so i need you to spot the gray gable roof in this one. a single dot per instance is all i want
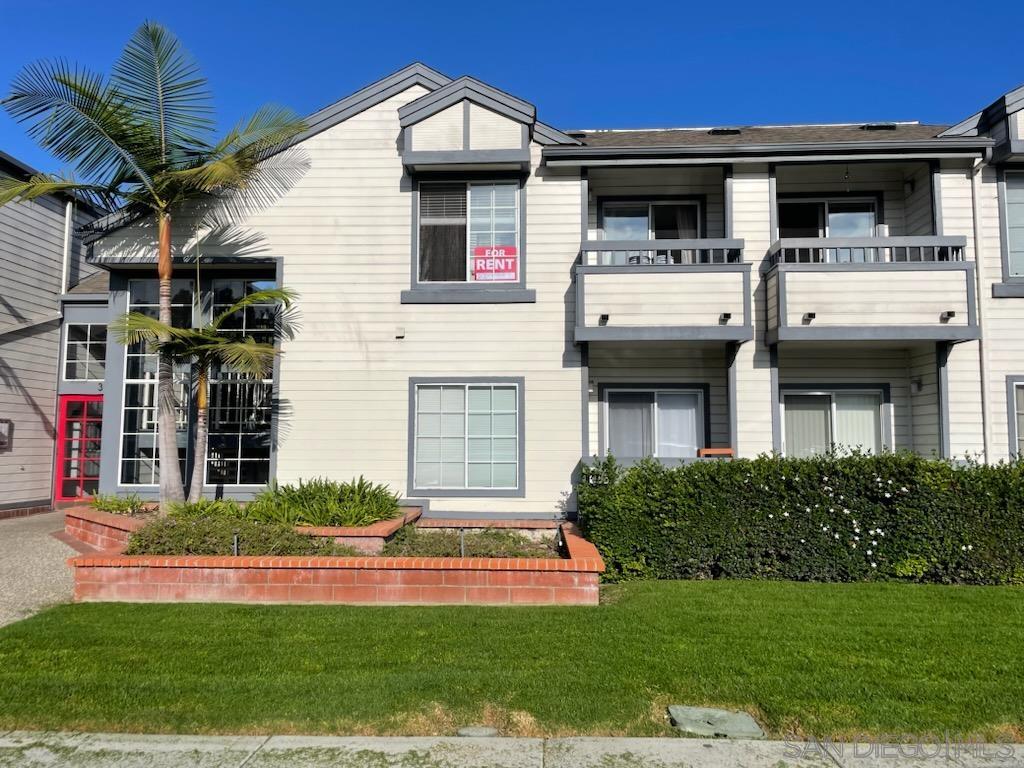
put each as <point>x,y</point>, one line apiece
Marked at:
<point>471,89</point>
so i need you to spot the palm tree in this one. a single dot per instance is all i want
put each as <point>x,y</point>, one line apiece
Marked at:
<point>210,345</point>
<point>142,141</point>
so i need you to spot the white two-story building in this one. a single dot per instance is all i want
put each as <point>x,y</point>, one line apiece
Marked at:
<point>488,301</point>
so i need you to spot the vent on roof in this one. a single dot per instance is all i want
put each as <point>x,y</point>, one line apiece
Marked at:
<point>878,127</point>
<point>727,131</point>
<point>577,134</point>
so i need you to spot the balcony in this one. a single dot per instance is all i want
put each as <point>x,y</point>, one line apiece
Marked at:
<point>663,290</point>
<point>870,288</point>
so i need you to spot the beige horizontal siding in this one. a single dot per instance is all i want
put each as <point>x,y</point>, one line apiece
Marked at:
<point>441,131</point>
<point>876,298</point>
<point>634,299</point>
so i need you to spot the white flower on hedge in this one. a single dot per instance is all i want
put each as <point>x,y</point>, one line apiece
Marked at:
<point>889,481</point>
<point>904,489</point>
<point>970,548</point>
<point>963,548</point>
<point>802,541</point>
<point>853,544</point>
<point>808,509</point>
<point>874,543</point>
<point>846,511</point>
<point>888,495</point>
<point>785,514</point>
<point>874,565</point>
<point>836,535</point>
<point>869,551</point>
<point>770,516</point>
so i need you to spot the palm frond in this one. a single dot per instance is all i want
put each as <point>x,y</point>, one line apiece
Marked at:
<point>162,86</point>
<point>42,184</point>
<point>137,328</point>
<point>247,356</point>
<point>75,115</point>
<point>284,297</point>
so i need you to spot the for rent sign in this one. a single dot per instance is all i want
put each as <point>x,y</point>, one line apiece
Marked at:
<point>496,263</point>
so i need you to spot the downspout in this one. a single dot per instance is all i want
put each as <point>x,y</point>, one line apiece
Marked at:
<point>69,230</point>
<point>979,270</point>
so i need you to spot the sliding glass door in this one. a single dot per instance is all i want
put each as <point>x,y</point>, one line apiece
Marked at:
<point>817,422</point>
<point>660,423</point>
<point>649,220</point>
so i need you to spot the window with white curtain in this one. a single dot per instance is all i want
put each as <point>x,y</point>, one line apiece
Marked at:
<point>664,423</point>
<point>467,436</point>
<point>821,421</point>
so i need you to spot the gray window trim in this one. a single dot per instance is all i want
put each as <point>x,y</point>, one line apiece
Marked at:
<point>1012,382</point>
<point>81,314</point>
<point>1012,286</point>
<point>467,293</point>
<point>888,443</point>
<point>504,493</point>
<point>602,410</point>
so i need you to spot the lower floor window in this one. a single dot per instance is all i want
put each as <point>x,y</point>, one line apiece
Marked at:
<point>467,436</point>
<point>239,443</point>
<point>664,423</point>
<point>820,422</point>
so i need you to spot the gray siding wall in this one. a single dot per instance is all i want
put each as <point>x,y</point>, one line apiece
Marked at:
<point>31,261</point>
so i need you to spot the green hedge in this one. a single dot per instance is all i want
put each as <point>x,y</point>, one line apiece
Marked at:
<point>853,518</point>
<point>215,535</point>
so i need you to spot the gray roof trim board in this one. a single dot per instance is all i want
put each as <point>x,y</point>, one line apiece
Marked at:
<point>467,88</point>
<point>1008,103</point>
<point>12,166</point>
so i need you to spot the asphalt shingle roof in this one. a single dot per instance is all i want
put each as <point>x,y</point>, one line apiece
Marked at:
<point>789,134</point>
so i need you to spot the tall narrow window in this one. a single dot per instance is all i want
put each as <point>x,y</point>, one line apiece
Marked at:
<point>139,464</point>
<point>240,406</point>
<point>1015,223</point>
<point>819,422</point>
<point>467,436</point>
<point>660,423</point>
<point>85,351</point>
<point>1018,416</point>
<point>469,232</point>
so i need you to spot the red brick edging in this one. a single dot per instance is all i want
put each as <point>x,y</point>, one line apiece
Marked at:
<point>110,576</point>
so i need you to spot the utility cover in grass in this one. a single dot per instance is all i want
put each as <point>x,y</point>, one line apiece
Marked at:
<point>717,723</point>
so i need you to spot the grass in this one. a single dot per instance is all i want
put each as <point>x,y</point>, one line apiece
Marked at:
<point>806,659</point>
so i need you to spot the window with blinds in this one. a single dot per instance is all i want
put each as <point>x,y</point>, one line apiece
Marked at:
<point>822,422</point>
<point>463,219</point>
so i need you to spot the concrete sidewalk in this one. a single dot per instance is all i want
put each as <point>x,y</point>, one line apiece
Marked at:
<point>33,571</point>
<point>76,750</point>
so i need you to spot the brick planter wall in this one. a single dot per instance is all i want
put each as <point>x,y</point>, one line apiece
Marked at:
<point>100,530</point>
<point>105,531</point>
<point>353,580</point>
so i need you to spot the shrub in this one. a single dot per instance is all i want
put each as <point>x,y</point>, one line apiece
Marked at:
<point>323,502</point>
<point>827,518</point>
<point>119,505</point>
<point>207,508</point>
<point>489,542</point>
<point>186,535</point>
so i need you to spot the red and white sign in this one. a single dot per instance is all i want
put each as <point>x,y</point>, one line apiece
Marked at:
<point>495,263</point>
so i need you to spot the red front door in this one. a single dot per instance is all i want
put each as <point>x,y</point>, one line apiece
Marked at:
<point>79,428</point>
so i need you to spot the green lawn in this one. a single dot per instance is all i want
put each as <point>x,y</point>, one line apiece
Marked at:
<point>807,659</point>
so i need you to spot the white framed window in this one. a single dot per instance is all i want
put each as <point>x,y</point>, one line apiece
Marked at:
<point>138,460</point>
<point>1016,414</point>
<point>85,351</point>
<point>819,421</point>
<point>659,422</point>
<point>1015,223</point>
<point>467,436</point>
<point>239,443</point>
<point>469,232</point>
<point>649,220</point>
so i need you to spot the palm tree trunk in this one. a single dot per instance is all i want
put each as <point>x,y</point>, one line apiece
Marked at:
<point>195,488</point>
<point>170,470</point>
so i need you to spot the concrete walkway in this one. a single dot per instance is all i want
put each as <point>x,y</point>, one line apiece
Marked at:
<point>32,750</point>
<point>33,572</point>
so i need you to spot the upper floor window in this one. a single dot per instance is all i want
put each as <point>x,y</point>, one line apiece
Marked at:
<point>1015,223</point>
<point>648,220</point>
<point>469,233</point>
<point>847,217</point>
<point>85,352</point>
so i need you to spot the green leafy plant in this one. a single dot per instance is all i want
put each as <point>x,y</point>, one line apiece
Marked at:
<point>828,518</point>
<point>119,505</point>
<point>321,502</point>
<point>207,508</point>
<point>190,535</point>
<point>410,541</point>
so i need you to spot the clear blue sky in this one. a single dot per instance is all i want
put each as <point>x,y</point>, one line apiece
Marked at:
<point>584,64</point>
